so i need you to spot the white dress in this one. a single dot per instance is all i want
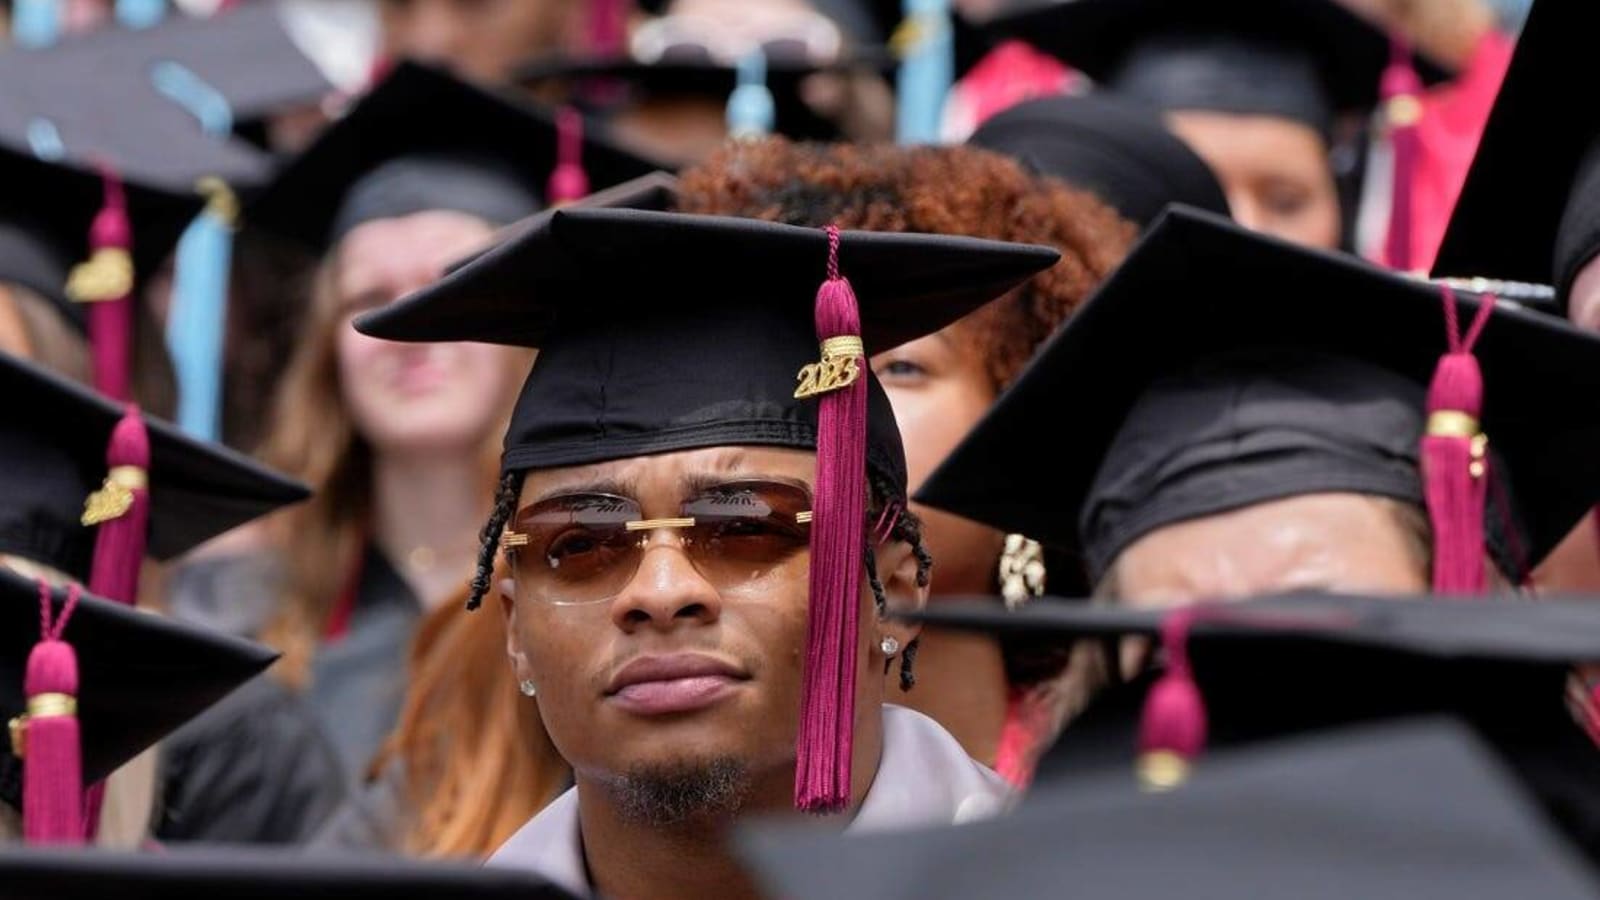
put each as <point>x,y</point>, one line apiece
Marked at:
<point>924,779</point>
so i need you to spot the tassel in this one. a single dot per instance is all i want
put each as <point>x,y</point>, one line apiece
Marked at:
<point>197,323</point>
<point>1401,89</point>
<point>36,24</point>
<point>105,282</point>
<point>47,737</point>
<point>1455,463</point>
<point>140,14</point>
<point>925,43</point>
<point>1172,731</point>
<point>121,510</point>
<point>568,180</point>
<point>826,739</point>
<point>752,113</point>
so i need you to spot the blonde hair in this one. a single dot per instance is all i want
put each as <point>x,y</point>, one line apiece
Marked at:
<point>312,437</point>
<point>476,758</point>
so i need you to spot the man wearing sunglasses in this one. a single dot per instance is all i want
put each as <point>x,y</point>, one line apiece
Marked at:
<point>704,519</point>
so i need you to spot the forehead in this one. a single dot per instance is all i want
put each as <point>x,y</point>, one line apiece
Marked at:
<point>670,471</point>
<point>435,236</point>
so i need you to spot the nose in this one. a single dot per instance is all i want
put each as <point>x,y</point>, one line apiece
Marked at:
<point>666,591</point>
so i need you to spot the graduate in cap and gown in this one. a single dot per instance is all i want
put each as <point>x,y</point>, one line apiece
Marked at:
<point>396,441</point>
<point>1256,88</point>
<point>703,512</point>
<point>1252,445</point>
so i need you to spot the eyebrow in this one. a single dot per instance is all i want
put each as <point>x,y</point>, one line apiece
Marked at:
<point>693,484</point>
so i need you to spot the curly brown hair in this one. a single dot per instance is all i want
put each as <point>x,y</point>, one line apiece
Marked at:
<point>943,190</point>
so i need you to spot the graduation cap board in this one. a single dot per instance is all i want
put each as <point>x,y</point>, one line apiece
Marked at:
<point>46,214</point>
<point>1527,211</point>
<point>1278,666</point>
<point>166,104</point>
<point>1413,809</point>
<point>54,448</point>
<point>257,874</point>
<point>1117,150</point>
<point>662,332</point>
<point>1305,60</point>
<point>140,676</point>
<point>425,140</point>
<point>1232,368</point>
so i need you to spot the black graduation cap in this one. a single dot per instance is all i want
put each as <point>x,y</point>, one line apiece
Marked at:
<point>1305,60</point>
<point>693,78</point>
<point>424,139</point>
<point>53,443</point>
<point>1528,209</point>
<point>140,676</point>
<point>661,332</point>
<point>1117,150</point>
<point>45,217</point>
<point>247,873</point>
<point>132,96</point>
<point>1277,666</point>
<point>1414,809</point>
<point>662,293</point>
<point>1232,368</point>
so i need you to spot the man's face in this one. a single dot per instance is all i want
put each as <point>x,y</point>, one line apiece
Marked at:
<point>673,659</point>
<point>1346,543</point>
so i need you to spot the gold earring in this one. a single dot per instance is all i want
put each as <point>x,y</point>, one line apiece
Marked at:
<point>1022,571</point>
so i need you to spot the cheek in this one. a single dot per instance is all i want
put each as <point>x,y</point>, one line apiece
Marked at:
<point>933,419</point>
<point>357,357</point>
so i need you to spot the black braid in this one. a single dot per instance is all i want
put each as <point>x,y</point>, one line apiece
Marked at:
<point>505,505</point>
<point>907,528</point>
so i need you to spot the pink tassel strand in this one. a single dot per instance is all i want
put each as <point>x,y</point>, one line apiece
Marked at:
<point>568,180</point>
<point>826,737</point>
<point>1455,461</point>
<point>1172,730</point>
<point>1401,89</point>
<point>52,760</point>
<point>106,284</point>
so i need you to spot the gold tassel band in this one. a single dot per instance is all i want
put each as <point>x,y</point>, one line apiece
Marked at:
<point>115,496</point>
<point>107,275</point>
<point>49,705</point>
<point>1452,423</point>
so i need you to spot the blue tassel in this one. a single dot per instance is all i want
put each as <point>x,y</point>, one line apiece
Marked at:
<point>925,43</point>
<point>752,112</point>
<point>198,321</point>
<point>35,24</point>
<point>139,14</point>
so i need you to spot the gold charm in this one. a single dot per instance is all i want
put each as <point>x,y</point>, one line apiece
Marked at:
<point>839,367</point>
<point>1021,571</point>
<point>222,203</point>
<point>108,275</point>
<point>115,496</point>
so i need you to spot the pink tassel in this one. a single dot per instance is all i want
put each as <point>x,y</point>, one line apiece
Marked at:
<point>52,761</point>
<point>1172,730</point>
<point>1455,463</point>
<point>121,509</point>
<point>1401,89</point>
<point>105,282</point>
<point>826,737</point>
<point>568,180</point>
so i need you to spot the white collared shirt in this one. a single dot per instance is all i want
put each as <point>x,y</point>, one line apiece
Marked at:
<point>924,779</point>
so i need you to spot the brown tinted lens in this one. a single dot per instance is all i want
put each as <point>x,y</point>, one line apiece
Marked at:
<point>745,528</point>
<point>579,548</point>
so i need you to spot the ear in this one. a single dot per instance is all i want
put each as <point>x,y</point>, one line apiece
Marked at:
<point>897,570</point>
<point>514,651</point>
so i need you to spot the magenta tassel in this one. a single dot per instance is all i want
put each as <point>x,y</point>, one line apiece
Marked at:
<point>1455,463</point>
<point>826,739</point>
<point>568,180</point>
<point>1401,89</point>
<point>1172,730</point>
<point>106,283</point>
<point>52,759</point>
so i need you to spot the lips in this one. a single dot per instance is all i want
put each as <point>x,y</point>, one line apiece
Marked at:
<point>659,685</point>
